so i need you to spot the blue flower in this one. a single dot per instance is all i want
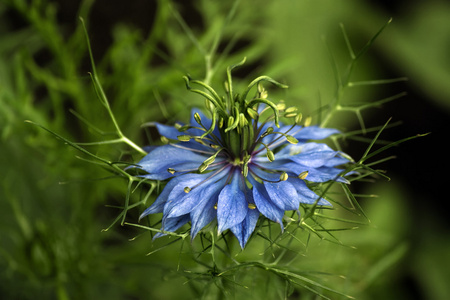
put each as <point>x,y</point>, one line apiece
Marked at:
<point>231,174</point>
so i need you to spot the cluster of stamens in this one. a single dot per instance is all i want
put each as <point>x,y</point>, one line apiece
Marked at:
<point>235,134</point>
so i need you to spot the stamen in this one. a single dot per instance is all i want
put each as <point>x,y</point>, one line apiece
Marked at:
<point>187,189</point>
<point>308,121</point>
<point>260,179</point>
<point>197,118</point>
<point>251,206</point>
<point>303,175</point>
<point>184,138</point>
<point>281,105</point>
<point>207,162</point>
<point>206,179</point>
<point>191,149</point>
<point>252,113</point>
<point>290,112</point>
<point>164,140</point>
<point>298,118</point>
<point>270,154</point>
<point>245,162</point>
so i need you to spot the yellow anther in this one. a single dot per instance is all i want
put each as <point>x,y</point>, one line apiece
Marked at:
<point>303,175</point>
<point>281,106</point>
<point>251,206</point>
<point>200,141</point>
<point>308,121</point>
<point>290,115</point>
<point>263,94</point>
<point>202,167</point>
<point>171,171</point>
<point>291,139</point>
<point>284,176</point>
<point>187,189</point>
<point>197,118</point>
<point>245,170</point>
<point>184,138</point>
<point>226,86</point>
<point>164,140</point>
<point>291,109</point>
<point>270,155</point>
<point>215,206</point>
<point>298,118</point>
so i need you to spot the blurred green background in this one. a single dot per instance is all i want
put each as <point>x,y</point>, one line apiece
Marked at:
<point>54,204</point>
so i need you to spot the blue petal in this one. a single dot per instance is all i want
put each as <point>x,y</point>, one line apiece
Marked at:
<point>244,230</point>
<point>179,202</point>
<point>255,170</point>
<point>172,224</point>
<point>305,194</point>
<point>232,206</point>
<point>321,174</point>
<point>169,132</point>
<point>336,161</point>
<point>204,212</point>
<point>284,192</point>
<point>264,204</point>
<point>312,132</point>
<point>158,205</point>
<point>202,215</point>
<point>157,162</point>
<point>309,154</point>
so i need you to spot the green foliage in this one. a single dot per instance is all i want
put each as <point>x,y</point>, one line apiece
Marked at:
<point>69,208</point>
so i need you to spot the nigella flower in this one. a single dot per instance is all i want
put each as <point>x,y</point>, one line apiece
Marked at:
<point>237,165</point>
